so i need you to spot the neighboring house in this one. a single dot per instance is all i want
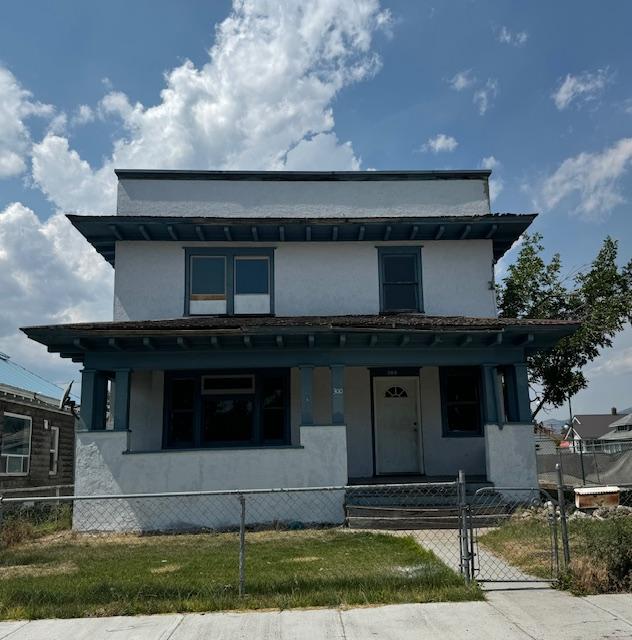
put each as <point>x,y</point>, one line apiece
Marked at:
<point>37,439</point>
<point>295,329</point>
<point>619,436</point>
<point>588,431</point>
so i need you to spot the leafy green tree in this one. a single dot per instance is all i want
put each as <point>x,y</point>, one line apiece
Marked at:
<point>600,298</point>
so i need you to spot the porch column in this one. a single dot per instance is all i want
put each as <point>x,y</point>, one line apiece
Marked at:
<point>93,400</point>
<point>337,393</point>
<point>306,372</point>
<point>122,379</point>
<point>491,394</point>
<point>521,391</point>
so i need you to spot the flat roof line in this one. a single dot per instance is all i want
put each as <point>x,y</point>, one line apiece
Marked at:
<point>302,176</point>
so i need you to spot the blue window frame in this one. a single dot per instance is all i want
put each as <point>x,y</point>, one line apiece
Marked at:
<point>400,279</point>
<point>235,281</point>
<point>461,401</point>
<point>211,409</point>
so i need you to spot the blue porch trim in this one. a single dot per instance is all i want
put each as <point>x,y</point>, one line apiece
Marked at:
<point>367,357</point>
<point>93,400</point>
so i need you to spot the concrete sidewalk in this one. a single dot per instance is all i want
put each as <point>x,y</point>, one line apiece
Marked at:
<point>509,614</point>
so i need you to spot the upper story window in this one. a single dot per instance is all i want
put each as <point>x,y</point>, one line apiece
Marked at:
<point>229,281</point>
<point>400,279</point>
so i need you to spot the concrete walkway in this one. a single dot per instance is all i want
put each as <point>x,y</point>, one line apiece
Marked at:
<point>509,614</point>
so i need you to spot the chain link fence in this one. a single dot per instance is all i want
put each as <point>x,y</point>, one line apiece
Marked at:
<point>314,546</point>
<point>211,550</point>
<point>585,464</point>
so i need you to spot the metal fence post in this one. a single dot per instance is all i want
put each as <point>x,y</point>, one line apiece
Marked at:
<point>554,541</point>
<point>562,505</point>
<point>242,546</point>
<point>463,530</point>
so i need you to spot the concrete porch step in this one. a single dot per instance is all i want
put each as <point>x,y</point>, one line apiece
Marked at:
<point>396,516</point>
<point>421,496</point>
<point>362,511</point>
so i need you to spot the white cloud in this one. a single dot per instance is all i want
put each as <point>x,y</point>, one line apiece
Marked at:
<point>68,181</point>
<point>16,105</point>
<point>484,96</point>
<point>323,150</point>
<point>515,38</point>
<point>593,178</point>
<point>262,101</point>
<point>585,87</point>
<point>616,364</point>
<point>83,115</point>
<point>48,274</point>
<point>496,184</point>
<point>462,80</point>
<point>441,142</point>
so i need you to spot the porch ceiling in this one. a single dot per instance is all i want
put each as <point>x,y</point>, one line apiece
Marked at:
<point>334,334</point>
<point>104,231</point>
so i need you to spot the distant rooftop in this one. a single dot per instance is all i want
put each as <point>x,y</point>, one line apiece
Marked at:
<point>18,378</point>
<point>306,176</point>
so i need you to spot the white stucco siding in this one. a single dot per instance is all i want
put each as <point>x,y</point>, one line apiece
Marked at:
<point>326,279</point>
<point>445,455</point>
<point>456,278</point>
<point>311,279</point>
<point>357,413</point>
<point>325,199</point>
<point>511,457</point>
<point>146,410</point>
<point>359,422</point>
<point>149,281</point>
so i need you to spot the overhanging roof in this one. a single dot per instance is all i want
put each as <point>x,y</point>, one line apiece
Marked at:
<point>302,176</point>
<point>398,331</point>
<point>104,231</point>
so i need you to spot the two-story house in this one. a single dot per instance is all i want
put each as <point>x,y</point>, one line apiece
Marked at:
<point>296,329</point>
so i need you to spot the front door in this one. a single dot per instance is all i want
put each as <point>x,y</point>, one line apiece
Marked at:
<point>397,429</point>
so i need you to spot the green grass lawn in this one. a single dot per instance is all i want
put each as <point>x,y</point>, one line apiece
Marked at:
<point>70,576</point>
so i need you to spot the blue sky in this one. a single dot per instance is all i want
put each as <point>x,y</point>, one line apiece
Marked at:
<point>540,92</point>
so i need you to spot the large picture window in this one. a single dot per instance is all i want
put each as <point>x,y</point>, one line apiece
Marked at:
<point>400,279</point>
<point>212,409</point>
<point>229,281</point>
<point>461,401</point>
<point>15,444</point>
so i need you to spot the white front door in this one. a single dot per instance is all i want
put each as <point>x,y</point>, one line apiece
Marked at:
<point>397,428</point>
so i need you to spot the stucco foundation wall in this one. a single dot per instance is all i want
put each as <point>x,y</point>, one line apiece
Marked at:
<point>302,199</point>
<point>510,453</point>
<point>311,279</point>
<point>445,455</point>
<point>103,468</point>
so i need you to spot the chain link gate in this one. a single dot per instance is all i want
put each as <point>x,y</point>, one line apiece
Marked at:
<point>510,534</point>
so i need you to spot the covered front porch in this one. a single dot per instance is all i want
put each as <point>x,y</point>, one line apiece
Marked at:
<point>253,403</point>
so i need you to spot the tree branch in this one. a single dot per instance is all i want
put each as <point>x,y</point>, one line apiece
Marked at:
<point>539,407</point>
